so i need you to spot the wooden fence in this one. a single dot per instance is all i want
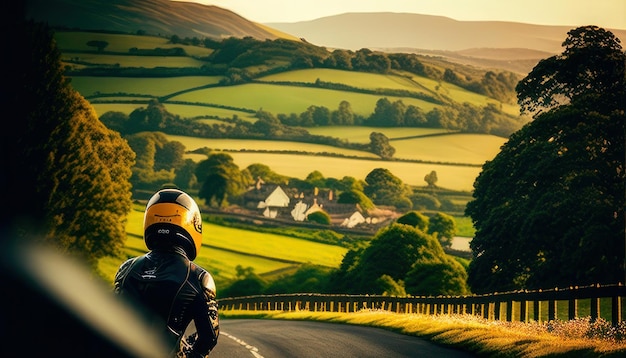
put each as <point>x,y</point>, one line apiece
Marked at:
<point>521,306</point>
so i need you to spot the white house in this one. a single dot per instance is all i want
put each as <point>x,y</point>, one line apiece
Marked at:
<point>277,199</point>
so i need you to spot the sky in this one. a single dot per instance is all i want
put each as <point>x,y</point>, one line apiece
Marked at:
<point>609,14</point>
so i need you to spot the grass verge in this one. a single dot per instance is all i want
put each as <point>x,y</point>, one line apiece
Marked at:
<point>472,334</point>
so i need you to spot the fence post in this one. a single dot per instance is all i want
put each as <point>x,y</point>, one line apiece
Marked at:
<point>616,311</point>
<point>552,309</point>
<point>509,310</point>
<point>595,308</point>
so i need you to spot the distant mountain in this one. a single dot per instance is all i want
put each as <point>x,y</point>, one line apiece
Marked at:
<point>386,30</point>
<point>154,17</point>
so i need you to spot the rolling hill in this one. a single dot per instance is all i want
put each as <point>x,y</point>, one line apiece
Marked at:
<point>511,46</point>
<point>155,17</point>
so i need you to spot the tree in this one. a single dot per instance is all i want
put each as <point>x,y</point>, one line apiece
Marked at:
<point>441,276</point>
<point>319,217</point>
<point>185,178</point>
<point>98,44</point>
<point>415,219</point>
<point>70,172</point>
<point>384,188</point>
<point>354,196</point>
<point>379,145</point>
<point>592,64</point>
<point>397,250</point>
<point>549,208</point>
<point>431,179</point>
<point>220,178</point>
<point>443,227</point>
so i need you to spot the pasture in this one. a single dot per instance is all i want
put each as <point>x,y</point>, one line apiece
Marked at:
<point>471,150</point>
<point>157,87</point>
<point>361,134</point>
<point>77,41</point>
<point>225,248</point>
<point>192,143</point>
<point>133,61</point>
<point>289,99</point>
<point>452,177</point>
<point>373,81</point>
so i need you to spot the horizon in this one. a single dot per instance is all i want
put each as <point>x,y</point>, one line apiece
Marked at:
<point>608,14</point>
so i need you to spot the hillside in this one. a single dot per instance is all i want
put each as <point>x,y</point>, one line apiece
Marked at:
<point>154,17</point>
<point>515,47</point>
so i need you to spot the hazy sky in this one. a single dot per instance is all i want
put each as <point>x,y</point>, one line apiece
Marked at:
<point>603,13</point>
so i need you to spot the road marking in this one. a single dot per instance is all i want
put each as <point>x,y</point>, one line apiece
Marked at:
<point>254,350</point>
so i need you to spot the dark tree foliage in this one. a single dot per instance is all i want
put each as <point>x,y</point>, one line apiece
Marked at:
<point>549,208</point>
<point>69,172</point>
<point>379,145</point>
<point>319,217</point>
<point>443,227</point>
<point>398,253</point>
<point>592,64</point>
<point>384,188</point>
<point>414,219</point>
<point>220,178</point>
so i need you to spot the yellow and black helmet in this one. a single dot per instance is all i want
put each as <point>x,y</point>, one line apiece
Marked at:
<point>172,218</point>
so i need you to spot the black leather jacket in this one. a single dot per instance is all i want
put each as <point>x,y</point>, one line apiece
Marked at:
<point>173,291</point>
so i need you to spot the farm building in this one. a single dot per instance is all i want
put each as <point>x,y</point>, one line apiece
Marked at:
<point>277,199</point>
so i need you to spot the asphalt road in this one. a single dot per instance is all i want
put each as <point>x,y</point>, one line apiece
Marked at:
<point>260,338</point>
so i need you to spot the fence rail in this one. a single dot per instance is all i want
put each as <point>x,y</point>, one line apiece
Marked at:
<point>510,306</point>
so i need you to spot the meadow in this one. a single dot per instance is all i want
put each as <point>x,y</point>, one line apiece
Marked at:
<point>225,248</point>
<point>373,81</point>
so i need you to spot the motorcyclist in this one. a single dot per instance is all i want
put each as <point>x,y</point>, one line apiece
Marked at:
<point>165,282</point>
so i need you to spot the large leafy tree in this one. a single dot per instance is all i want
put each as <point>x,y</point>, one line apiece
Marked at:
<point>400,252</point>
<point>220,179</point>
<point>68,172</point>
<point>549,208</point>
<point>384,188</point>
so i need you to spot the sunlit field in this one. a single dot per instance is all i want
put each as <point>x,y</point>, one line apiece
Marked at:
<point>193,143</point>
<point>451,148</point>
<point>274,246</point>
<point>289,99</point>
<point>77,41</point>
<point>374,81</point>
<point>225,248</point>
<point>134,61</point>
<point>191,111</point>
<point>359,134</point>
<point>126,108</point>
<point>157,87</point>
<point>453,177</point>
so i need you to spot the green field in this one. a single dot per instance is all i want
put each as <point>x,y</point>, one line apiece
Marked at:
<point>225,248</point>
<point>77,41</point>
<point>453,177</point>
<point>372,81</point>
<point>192,143</point>
<point>289,99</point>
<point>157,87</point>
<point>133,61</point>
<point>361,134</point>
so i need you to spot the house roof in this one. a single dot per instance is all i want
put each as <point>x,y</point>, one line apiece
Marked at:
<point>277,198</point>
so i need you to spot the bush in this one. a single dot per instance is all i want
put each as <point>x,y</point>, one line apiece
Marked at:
<point>319,217</point>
